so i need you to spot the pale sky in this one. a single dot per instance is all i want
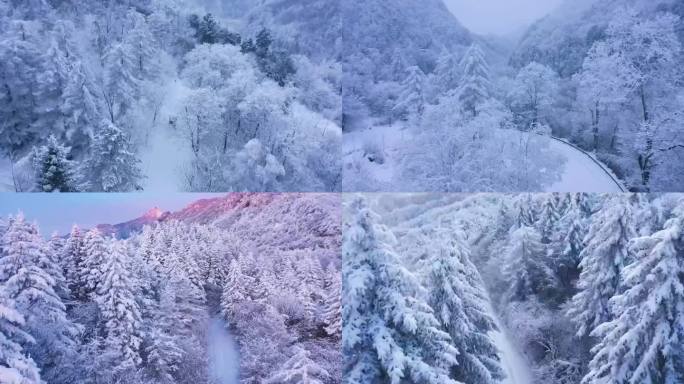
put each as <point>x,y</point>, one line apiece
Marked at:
<point>57,212</point>
<point>499,17</point>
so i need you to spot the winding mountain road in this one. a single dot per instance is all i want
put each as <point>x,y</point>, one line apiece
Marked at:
<point>583,173</point>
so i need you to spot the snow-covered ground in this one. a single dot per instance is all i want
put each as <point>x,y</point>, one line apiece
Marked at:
<point>513,361</point>
<point>166,154</point>
<point>224,359</point>
<point>581,172</point>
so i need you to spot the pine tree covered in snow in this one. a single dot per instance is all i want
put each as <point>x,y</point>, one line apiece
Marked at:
<point>474,84</point>
<point>524,267</point>
<point>459,299</point>
<point>73,261</point>
<point>388,332</point>
<point>604,256</point>
<point>24,266</point>
<point>54,171</point>
<point>411,101</point>
<point>119,311</point>
<point>121,86</point>
<point>332,311</point>
<point>112,166</point>
<point>91,270</point>
<point>15,365</point>
<point>643,342</point>
<point>570,242</point>
<point>299,369</point>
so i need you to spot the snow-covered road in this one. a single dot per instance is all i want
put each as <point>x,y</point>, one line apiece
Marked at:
<point>513,362</point>
<point>166,154</point>
<point>581,172</point>
<point>224,358</point>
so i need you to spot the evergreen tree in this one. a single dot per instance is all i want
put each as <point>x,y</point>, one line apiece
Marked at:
<point>548,217</point>
<point>235,289</point>
<point>24,277</point>
<point>54,171</point>
<point>388,333</point>
<point>448,73</point>
<point>474,83</point>
<point>643,343</point>
<point>300,369</point>
<point>120,85</point>
<point>332,311</point>
<point>411,101</point>
<point>95,255</point>
<point>15,365</point>
<point>112,166</point>
<point>524,266</point>
<point>80,107</point>
<point>208,30</point>
<point>604,256</point>
<point>163,353</point>
<point>457,295</point>
<point>120,314</point>
<point>19,64</point>
<point>143,47</point>
<point>263,43</point>
<point>74,256</point>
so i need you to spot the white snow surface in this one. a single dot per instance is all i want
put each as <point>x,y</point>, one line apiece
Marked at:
<point>513,361</point>
<point>166,154</point>
<point>224,358</point>
<point>581,172</point>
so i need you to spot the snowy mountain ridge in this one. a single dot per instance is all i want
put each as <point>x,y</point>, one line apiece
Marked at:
<point>307,219</point>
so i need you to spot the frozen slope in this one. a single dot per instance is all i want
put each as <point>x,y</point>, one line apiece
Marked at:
<point>581,172</point>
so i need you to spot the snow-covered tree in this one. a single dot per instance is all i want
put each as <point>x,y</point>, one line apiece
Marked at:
<point>332,311</point>
<point>524,267</point>
<point>96,252</point>
<point>474,85</point>
<point>604,256</point>
<point>19,64</point>
<point>388,332</point>
<point>121,86</point>
<point>411,101</point>
<point>570,241</point>
<point>143,46</point>
<point>73,257</point>
<point>299,369</point>
<point>643,342</point>
<point>112,165</point>
<point>120,313</point>
<point>448,73</point>
<point>15,365</point>
<point>458,297</point>
<point>533,93</point>
<point>24,277</point>
<point>55,172</point>
<point>81,106</point>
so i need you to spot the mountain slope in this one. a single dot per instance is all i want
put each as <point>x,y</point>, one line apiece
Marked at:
<point>562,39</point>
<point>306,220</point>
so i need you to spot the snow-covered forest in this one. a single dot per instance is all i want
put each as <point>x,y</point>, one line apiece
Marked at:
<point>202,295</point>
<point>430,106</point>
<point>118,96</point>
<point>518,289</point>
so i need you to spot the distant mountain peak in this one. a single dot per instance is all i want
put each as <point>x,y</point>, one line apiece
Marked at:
<point>153,214</point>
